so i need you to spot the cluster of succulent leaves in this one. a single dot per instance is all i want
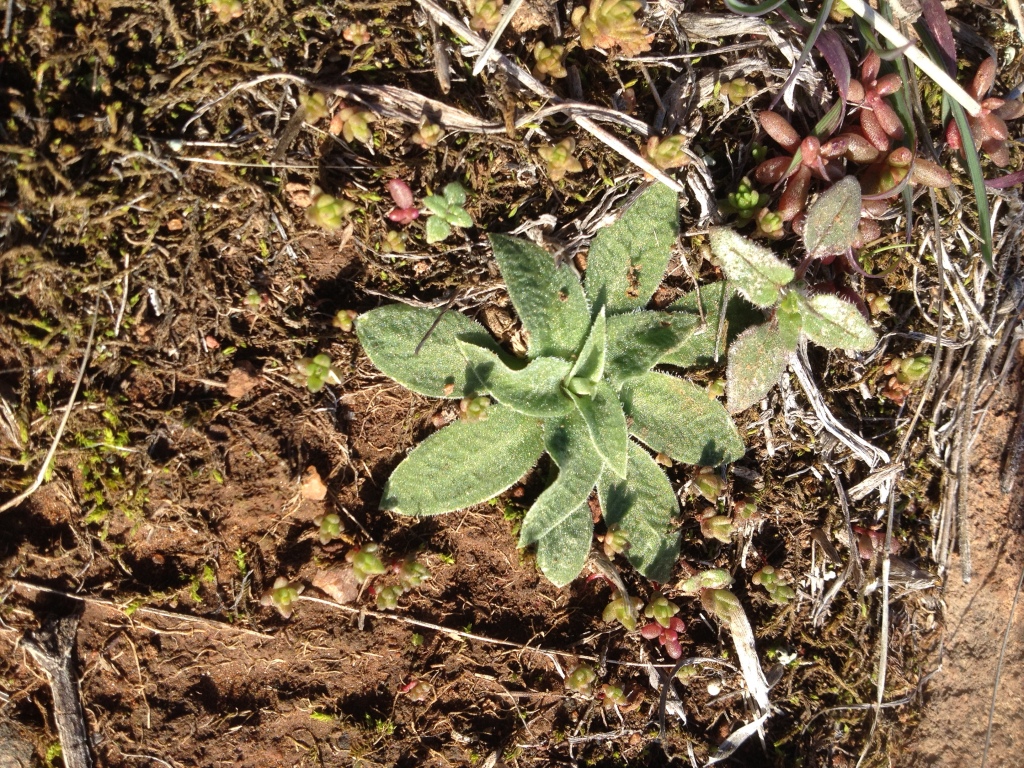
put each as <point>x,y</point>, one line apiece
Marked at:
<point>585,394</point>
<point>759,355</point>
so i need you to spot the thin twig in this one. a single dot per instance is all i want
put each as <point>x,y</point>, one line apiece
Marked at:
<point>141,609</point>
<point>459,634</point>
<point>45,468</point>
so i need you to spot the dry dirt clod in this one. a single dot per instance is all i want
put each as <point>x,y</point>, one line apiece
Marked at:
<point>313,488</point>
<point>242,379</point>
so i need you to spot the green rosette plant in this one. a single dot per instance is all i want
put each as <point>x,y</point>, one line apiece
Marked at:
<point>585,393</point>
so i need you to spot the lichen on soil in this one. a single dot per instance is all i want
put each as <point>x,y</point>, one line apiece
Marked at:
<point>157,166</point>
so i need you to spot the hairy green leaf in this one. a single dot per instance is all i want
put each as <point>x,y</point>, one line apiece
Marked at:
<point>535,390</point>
<point>390,334</point>
<point>549,299</point>
<point>831,322</point>
<point>831,225</point>
<point>643,505</point>
<point>579,466</point>
<point>438,229</point>
<point>606,424</point>
<point>757,272</point>
<point>681,420</point>
<point>590,364</point>
<point>465,463</point>
<point>637,341</point>
<point>757,360</point>
<point>628,259</point>
<point>562,554</point>
<point>699,349</point>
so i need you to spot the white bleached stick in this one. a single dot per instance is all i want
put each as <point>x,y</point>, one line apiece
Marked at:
<point>485,54</point>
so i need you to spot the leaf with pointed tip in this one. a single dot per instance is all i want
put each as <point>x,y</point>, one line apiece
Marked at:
<point>390,335</point>
<point>549,299</point>
<point>831,225</point>
<point>562,554</point>
<point>681,420</point>
<point>579,466</point>
<point>535,390</point>
<point>465,463</point>
<point>699,349</point>
<point>757,360</point>
<point>590,364</point>
<point>637,341</point>
<point>831,322</point>
<point>757,272</point>
<point>627,260</point>
<point>643,505</point>
<point>606,424</point>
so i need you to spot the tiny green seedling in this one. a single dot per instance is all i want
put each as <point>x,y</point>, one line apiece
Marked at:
<point>318,371</point>
<point>283,596</point>
<point>330,528</point>
<point>778,590</point>
<point>447,212</point>
<point>560,159</point>
<point>667,153</point>
<point>581,680</point>
<point>666,627</point>
<point>344,320</point>
<point>328,211</point>
<point>715,526</point>
<point>353,124</point>
<point>584,388</point>
<point>365,562</point>
<point>617,610</point>
<point>612,24</point>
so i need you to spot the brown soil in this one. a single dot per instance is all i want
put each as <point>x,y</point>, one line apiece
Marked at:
<point>967,654</point>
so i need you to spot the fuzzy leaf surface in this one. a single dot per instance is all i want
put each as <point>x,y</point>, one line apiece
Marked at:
<point>699,349</point>
<point>679,419</point>
<point>757,272</point>
<point>643,505</point>
<point>390,334</point>
<point>757,360</point>
<point>535,390</point>
<point>590,364</point>
<point>562,554</point>
<point>465,463</point>
<point>549,299</point>
<point>628,259</point>
<point>831,225</point>
<point>579,466</point>
<point>638,341</point>
<point>831,322</point>
<point>606,424</point>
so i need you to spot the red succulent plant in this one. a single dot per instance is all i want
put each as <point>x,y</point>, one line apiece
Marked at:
<point>988,128</point>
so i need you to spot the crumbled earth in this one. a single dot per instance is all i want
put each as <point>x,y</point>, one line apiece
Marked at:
<point>155,175</point>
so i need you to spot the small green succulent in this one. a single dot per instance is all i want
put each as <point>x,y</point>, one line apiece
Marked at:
<point>447,212</point>
<point>318,371</point>
<point>584,388</point>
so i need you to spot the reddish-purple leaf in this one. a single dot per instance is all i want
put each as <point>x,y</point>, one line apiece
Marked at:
<point>1007,181</point>
<point>984,77</point>
<point>934,18</point>
<point>873,130</point>
<point>831,47</point>
<point>400,193</point>
<point>930,174</point>
<point>888,119</point>
<point>778,127</point>
<point>794,197</point>
<point>772,171</point>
